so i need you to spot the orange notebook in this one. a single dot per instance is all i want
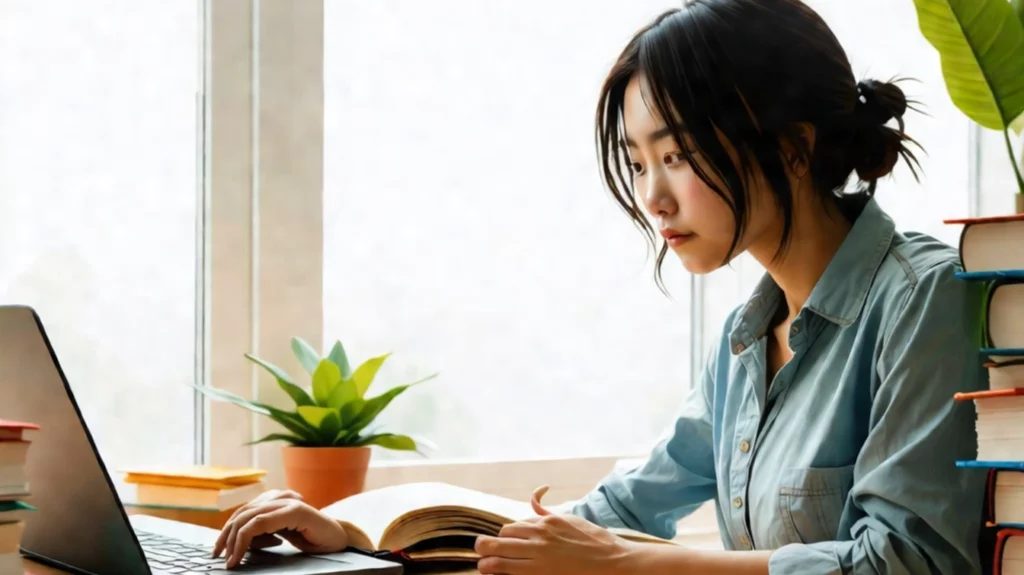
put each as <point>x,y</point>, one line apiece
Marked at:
<point>13,430</point>
<point>200,476</point>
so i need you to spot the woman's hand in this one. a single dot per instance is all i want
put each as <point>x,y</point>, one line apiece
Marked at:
<point>553,545</point>
<point>273,514</point>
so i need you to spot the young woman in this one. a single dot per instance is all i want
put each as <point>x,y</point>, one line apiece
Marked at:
<point>824,427</point>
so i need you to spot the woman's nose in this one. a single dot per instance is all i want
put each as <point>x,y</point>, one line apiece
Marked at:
<point>657,199</point>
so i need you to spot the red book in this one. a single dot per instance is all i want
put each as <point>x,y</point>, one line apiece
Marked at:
<point>13,430</point>
<point>992,244</point>
<point>962,396</point>
<point>1001,540</point>
<point>987,220</point>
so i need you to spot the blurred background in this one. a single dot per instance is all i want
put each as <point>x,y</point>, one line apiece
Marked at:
<point>450,211</point>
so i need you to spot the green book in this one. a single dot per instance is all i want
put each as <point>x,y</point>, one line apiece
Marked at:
<point>14,511</point>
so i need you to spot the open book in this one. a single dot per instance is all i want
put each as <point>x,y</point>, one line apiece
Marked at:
<point>433,521</point>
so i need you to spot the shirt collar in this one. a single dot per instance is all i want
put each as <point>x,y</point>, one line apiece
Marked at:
<point>841,291</point>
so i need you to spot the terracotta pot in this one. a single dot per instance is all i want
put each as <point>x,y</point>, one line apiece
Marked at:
<point>323,475</point>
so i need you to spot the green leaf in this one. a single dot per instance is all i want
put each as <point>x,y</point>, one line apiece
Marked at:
<point>376,405</point>
<point>1018,7</point>
<point>325,377</point>
<point>365,373</point>
<point>314,414</point>
<point>351,410</point>
<point>330,427</point>
<point>298,395</point>
<point>280,437</point>
<point>340,359</point>
<point>227,396</point>
<point>981,45</point>
<point>390,441</point>
<point>344,392</point>
<point>293,422</point>
<point>306,355</point>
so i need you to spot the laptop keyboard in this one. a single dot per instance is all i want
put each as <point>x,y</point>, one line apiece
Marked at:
<point>173,556</point>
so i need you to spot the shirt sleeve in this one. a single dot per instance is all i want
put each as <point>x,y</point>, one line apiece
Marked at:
<point>916,511</point>
<point>677,477</point>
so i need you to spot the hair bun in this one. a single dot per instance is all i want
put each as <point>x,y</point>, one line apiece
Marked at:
<point>880,102</point>
<point>878,145</point>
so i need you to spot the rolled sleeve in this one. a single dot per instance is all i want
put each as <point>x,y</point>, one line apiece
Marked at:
<point>677,477</point>
<point>916,512</point>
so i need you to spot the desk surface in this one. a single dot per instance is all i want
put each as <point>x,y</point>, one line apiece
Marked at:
<point>37,569</point>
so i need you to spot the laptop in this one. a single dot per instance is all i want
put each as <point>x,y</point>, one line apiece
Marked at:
<point>80,524</point>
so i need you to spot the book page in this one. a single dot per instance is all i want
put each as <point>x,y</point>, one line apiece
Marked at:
<point>373,511</point>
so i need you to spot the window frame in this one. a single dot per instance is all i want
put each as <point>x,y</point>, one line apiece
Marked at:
<point>262,153</point>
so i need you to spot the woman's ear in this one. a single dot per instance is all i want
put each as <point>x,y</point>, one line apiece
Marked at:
<point>797,150</point>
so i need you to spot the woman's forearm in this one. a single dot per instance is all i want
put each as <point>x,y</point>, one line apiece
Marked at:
<point>655,559</point>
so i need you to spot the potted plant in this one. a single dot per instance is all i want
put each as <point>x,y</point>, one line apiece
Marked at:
<point>327,451</point>
<point>981,45</point>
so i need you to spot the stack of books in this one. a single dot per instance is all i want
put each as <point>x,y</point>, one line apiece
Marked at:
<point>990,252</point>
<point>14,488</point>
<point>201,495</point>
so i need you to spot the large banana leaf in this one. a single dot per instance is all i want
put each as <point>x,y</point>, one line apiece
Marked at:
<point>981,45</point>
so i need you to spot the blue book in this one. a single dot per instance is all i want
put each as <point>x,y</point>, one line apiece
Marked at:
<point>1003,351</point>
<point>991,275</point>
<point>1009,465</point>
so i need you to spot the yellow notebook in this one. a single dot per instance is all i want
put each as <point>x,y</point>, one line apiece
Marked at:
<point>198,476</point>
<point>424,522</point>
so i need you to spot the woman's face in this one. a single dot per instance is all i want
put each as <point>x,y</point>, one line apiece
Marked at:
<point>696,223</point>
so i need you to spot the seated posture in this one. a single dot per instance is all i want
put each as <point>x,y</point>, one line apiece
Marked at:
<point>824,427</point>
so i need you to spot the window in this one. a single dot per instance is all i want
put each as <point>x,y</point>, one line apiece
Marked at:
<point>98,207</point>
<point>467,230</point>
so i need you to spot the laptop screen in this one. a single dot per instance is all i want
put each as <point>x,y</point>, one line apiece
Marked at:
<point>80,522</point>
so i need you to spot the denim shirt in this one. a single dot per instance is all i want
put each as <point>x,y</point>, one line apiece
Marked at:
<point>845,463</point>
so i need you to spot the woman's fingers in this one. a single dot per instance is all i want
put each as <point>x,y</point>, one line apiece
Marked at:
<point>520,530</point>
<point>226,541</point>
<point>265,541</point>
<point>277,519</point>
<point>507,547</point>
<point>503,566</point>
<point>259,500</point>
<point>535,501</point>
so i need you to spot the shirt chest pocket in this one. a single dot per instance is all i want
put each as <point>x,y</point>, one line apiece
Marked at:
<point>811,502</point>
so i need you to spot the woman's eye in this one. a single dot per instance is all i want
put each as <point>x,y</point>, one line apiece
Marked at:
<point>674,157</point>
<point>635,167</point>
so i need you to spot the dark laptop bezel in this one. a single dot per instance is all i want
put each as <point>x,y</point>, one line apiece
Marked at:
<point>92,445</point>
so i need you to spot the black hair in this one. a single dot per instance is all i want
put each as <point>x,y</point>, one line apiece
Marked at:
<point>754,70</point>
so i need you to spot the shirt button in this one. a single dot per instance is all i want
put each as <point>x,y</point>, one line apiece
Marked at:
<point>794,330</point>
<point>738,502</point>
<point>745,542</point>
<point>739,348</point>
<point>744,446</point>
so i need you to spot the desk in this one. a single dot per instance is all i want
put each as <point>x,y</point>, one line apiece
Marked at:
<point>37,569</point>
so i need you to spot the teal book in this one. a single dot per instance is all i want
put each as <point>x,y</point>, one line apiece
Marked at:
<point>14,511</point>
